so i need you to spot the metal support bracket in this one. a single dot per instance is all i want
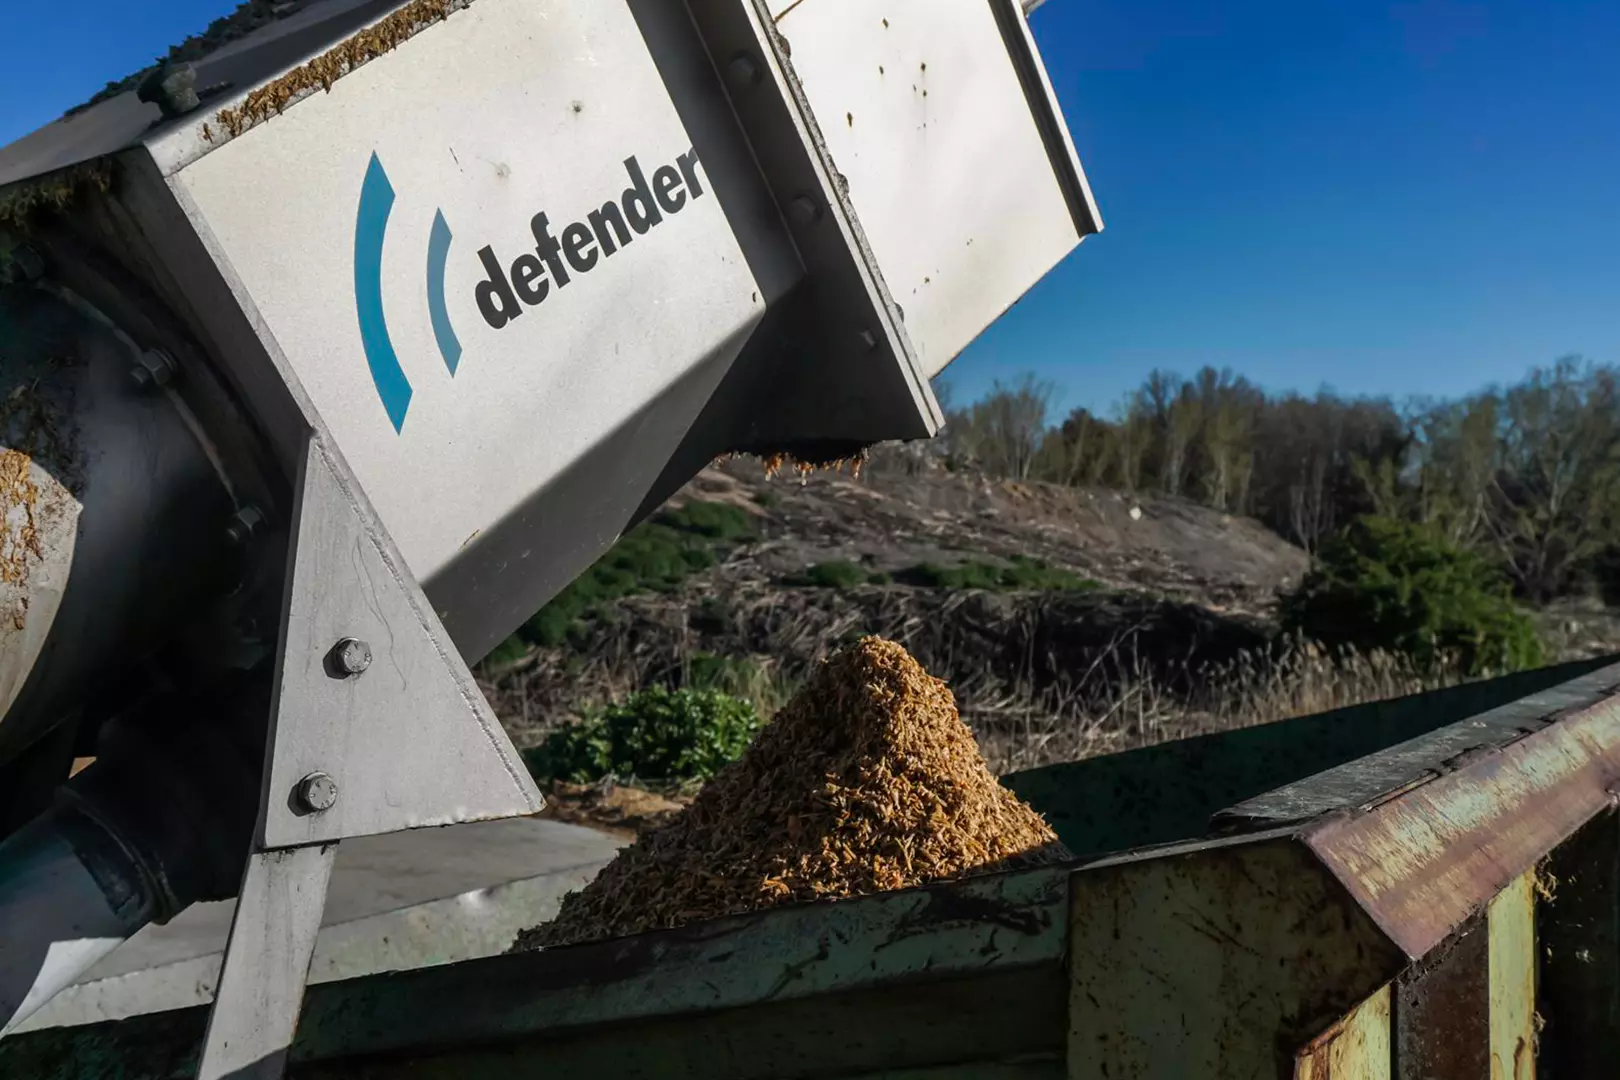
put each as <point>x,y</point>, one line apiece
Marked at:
<point>261,985</point>
<point>376,727</point>
<point>372,695</point>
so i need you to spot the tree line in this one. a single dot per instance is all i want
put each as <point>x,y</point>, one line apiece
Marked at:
<point>1527,473</point>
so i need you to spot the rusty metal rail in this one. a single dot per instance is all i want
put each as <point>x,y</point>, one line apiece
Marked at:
<point>1440,905</point>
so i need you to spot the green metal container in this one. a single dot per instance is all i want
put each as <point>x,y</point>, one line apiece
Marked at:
<point>1424,888</point>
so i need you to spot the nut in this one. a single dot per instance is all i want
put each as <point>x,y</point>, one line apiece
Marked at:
<point>742,71</point>
<point>21,263</point>
<point>245,524</point>
<point>316,793</point>
<point>154,369</point>
<point>804,211</point>
<point>172,89</point>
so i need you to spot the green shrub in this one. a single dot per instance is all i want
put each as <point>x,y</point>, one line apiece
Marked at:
<point>1021,574</point>
<point>1388,585</point>
<point>1026,573</point>
<point>655,734</point>
<point>656,556</point>
<point>718,521</point>
<point>652,557</point>
<point>838,574</point>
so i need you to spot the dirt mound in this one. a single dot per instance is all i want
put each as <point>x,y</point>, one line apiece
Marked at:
<point>867,781</point>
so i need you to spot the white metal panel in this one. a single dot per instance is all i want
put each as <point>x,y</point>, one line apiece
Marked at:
<point>925,114</point>
<point>507,109</point>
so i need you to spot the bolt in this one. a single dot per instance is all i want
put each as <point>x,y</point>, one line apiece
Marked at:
<point>743,71</point>
<point>351,656</point>
<point>316,793</point>
<point>868,339</point>
<point>804,211</point>
<point>21,263</point>
<point>245,524</point>
<point>172,89</point>
<point>155,369</point>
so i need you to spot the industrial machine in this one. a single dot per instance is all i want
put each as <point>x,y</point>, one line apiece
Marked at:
<point>328,357</point>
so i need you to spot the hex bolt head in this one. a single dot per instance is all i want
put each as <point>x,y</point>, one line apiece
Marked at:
<point>804,211</point>
<point>172,89</point>
<point>316,793</point>
<point>244,525</point>
<point>743,72</point>
<point>350,657</point>
<point>21,263</point>
<point>154,369</point>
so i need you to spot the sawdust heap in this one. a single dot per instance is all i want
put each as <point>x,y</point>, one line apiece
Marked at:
<point>867,781</point>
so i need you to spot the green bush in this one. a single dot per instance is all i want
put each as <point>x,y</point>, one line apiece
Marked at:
<point>1389,585</point>
<point>718,521</point>
<point>656,556</point>
<point>838,574</point>
<point>655,734</point>
<point>1020,574</point>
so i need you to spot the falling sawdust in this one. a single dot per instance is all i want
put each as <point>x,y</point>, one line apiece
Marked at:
<point>866,782</point>
<point>804,465</point>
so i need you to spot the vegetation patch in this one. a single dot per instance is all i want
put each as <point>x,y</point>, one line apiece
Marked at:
<point>678,737</point>
<point>1018,574</point>
<point>656,556</point>
<point>1383,584</point>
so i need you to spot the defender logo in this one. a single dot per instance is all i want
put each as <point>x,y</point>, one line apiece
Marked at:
<point>584,243</point>
<point>503,293</point>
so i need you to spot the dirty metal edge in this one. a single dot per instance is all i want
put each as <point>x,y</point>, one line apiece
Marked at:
<point>1423,861</point>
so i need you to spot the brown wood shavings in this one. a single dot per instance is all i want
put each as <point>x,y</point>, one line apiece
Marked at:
<point>867,781</point>
<point>54,191</point>
<point>775,463</point>
<point>19,531</point>
<point>320,73</point>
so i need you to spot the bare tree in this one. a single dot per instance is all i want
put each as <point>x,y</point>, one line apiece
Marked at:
<point>1557,481</point>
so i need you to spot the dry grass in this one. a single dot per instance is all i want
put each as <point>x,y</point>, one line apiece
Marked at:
<point>1120,705</point>
<point>1118,702</point>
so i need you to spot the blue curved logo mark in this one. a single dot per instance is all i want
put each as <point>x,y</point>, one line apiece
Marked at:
<point>443,332</point>
<point>371,226</point>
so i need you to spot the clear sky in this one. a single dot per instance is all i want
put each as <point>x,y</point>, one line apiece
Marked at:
<point>1415,198</point>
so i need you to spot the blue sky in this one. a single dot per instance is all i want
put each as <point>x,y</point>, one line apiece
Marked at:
<point>1416,198</point>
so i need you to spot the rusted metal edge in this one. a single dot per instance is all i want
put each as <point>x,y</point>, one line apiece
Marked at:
<point>1421,863</point>
<point>1388,773</point>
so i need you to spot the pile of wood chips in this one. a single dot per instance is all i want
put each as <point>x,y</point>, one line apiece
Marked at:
<point>867,781</point>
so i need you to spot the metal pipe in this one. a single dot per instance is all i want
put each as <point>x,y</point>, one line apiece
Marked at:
<point>162,819</point>
<point>58,918</point>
